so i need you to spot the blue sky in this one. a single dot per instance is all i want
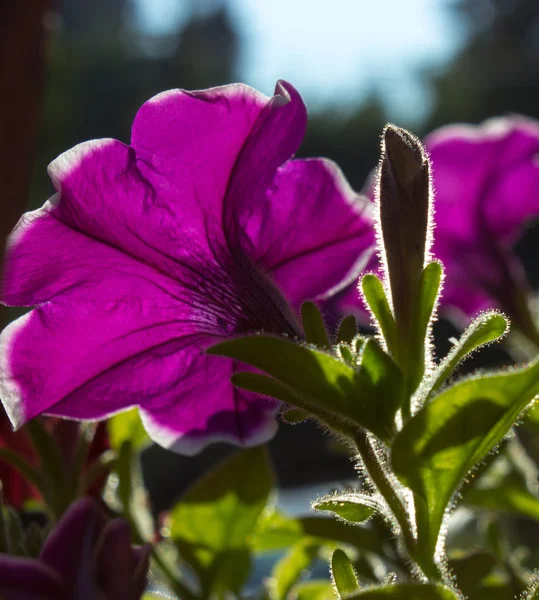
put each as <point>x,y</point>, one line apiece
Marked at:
<point>335,51</point>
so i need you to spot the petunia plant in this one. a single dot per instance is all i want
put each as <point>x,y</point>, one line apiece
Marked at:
<point>173,287</point>
<point>418,434</point>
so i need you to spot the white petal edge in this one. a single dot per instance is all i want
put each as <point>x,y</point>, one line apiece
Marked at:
<point>183,444</point>
<point>10,392</point>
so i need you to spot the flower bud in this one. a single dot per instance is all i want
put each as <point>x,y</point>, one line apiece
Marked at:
<point>404,198</point>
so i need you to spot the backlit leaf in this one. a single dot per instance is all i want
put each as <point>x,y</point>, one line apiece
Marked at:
<point>343,574</point>
<point>452,434</point>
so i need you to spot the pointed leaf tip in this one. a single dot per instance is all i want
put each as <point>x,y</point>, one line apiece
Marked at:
<point>313,325</point>
<point>354,508</point>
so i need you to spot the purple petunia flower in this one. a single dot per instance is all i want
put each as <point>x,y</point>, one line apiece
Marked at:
<point>85,557</point>
<point>200,230</point>
<point>487,188</point>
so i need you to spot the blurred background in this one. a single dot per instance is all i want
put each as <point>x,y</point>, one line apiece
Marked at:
<point>357,63</point>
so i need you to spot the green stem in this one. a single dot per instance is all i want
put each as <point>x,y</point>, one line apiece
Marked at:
<point>384,485</point>
<point>386,488</point>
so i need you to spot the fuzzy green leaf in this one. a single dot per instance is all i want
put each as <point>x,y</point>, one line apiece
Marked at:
<point>347,330</point>
<point>487,328</point>
<point>313,325</point>
<point>343,574</point>
<point>447,438</point>
<point>387,379</point>
<point>262,384</point>
<point>323,385</point>
<point>429,287</point>
<point>375,297</point>
<point>354,508</point>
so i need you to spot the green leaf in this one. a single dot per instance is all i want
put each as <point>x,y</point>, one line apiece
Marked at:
<point>313,325</point>
<point>262,384</point>
<point>229,571</point>
<point>406,591</point>
<point>314,590</point>
<point>335,392</point>
<point>288,569</point>
<point>275,531</point>
<point>487,328</point>
<point>343,574</point>
<point>347,330</point>
<point>429,287</point>
<point>387,379</point>
<point>352,507</point>
<point>127,427</point>
<point>376,299</point>
<point>447,438</point>
<point>223,507</point>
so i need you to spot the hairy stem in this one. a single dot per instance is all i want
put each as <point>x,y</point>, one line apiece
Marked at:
<point>385,486</point>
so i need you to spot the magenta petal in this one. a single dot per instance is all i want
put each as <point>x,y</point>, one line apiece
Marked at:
<point>211,409</point>
<point>187,145</point>
<point>57,350</point>
<point>274,138</point>
<point>312,248</point>
<point>107,194</point>
<point>25,579</point>
<point>46,258</point>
